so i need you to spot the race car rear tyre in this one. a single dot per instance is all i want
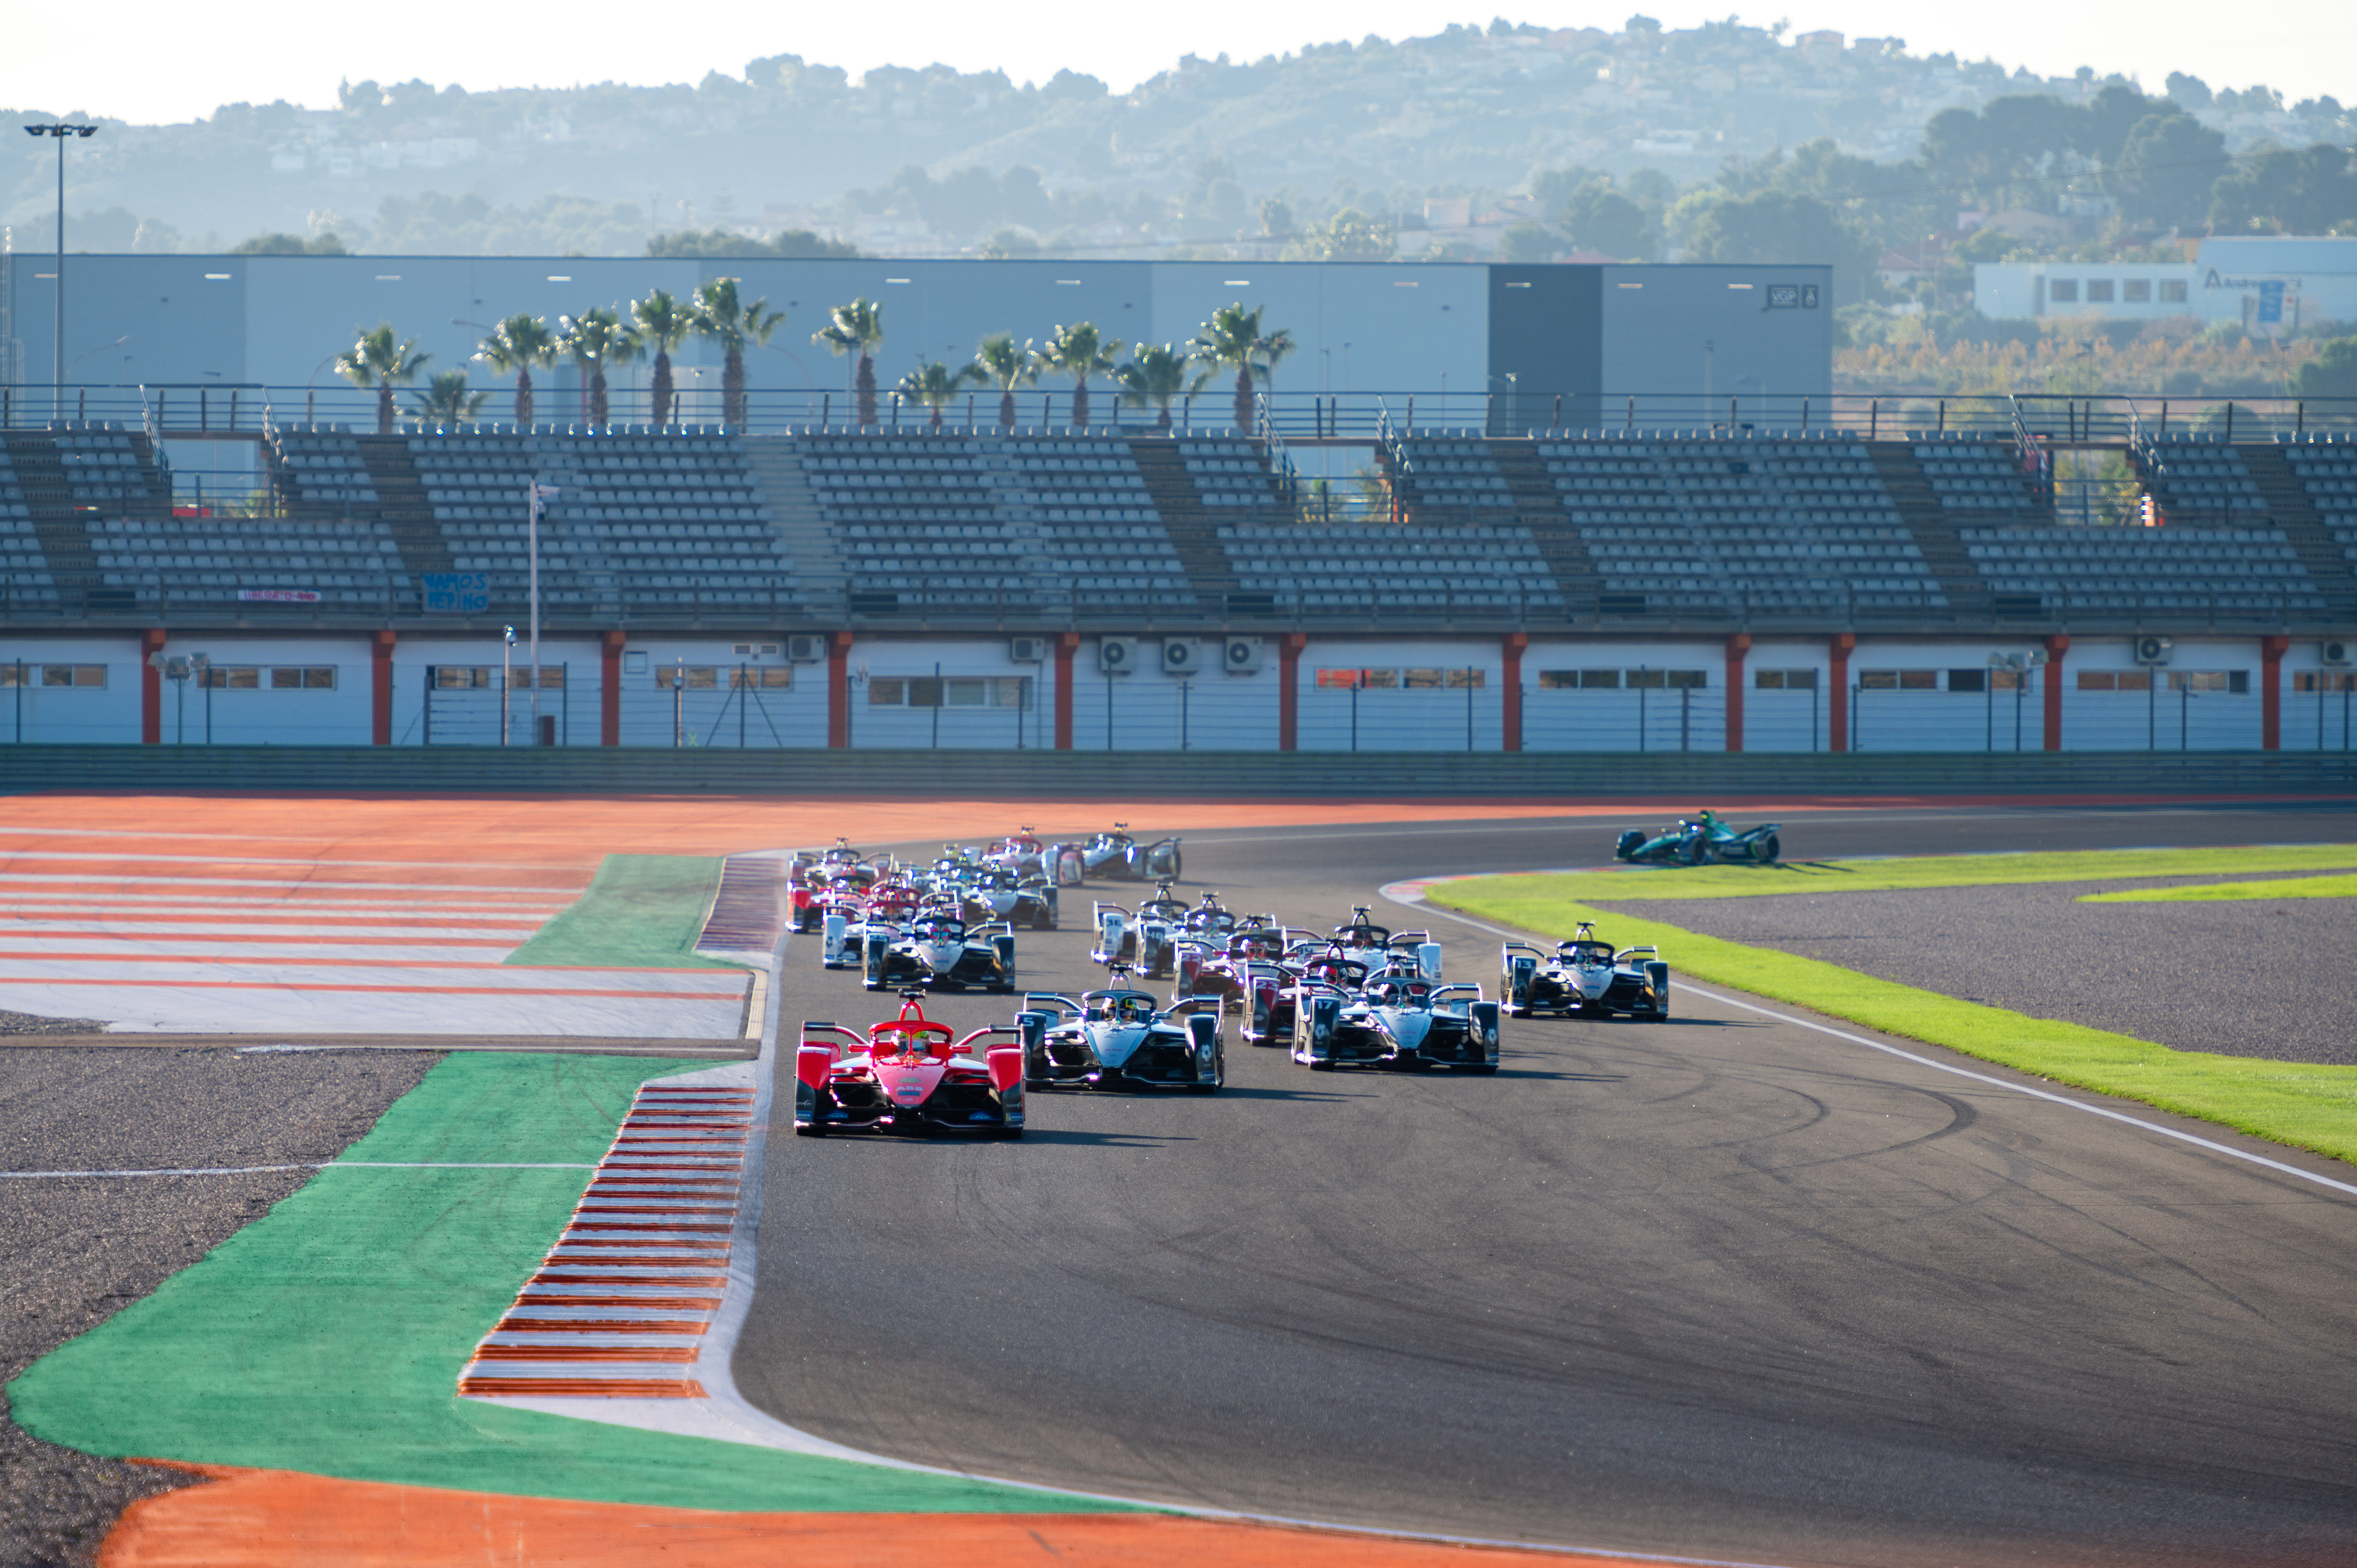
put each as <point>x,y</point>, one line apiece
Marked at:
<point>1202,1089</point>
<point>1766,851</point>
<point>1485,1068</point>
<point>1011,1133</point>
<point>812,1132</point>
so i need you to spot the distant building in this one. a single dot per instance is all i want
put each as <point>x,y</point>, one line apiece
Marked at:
<point>2267,282</point>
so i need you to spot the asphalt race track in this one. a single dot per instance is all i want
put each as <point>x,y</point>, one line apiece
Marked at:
<point>1725,1287</point>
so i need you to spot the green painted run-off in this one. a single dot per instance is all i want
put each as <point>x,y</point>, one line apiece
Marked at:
<point>329,1336</point>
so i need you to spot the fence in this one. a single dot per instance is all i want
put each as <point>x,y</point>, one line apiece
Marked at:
<point>1368,417</point>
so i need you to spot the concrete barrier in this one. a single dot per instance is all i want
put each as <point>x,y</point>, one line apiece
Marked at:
<point>1694,777</point>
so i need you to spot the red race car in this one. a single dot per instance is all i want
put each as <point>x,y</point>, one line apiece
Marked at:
<point>907,1075</point>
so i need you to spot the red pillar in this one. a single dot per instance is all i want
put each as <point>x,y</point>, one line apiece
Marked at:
<point>1510,698</point>
<point>1837,700</point>
<point>1066,644</point>
<point>2057,646</point>
<point>609,688</point>
<point>2271,652</point>
<point>1288,691</point>
<point>151,689</point>
<point>1738,646</point>
<point>381,687</point>
<point>838,690</point>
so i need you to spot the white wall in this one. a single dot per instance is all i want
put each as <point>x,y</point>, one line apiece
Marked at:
<point>1149,711</point>
<point>267,715</point>
<point>1402,719</point>
<point>960,729</point>
<point>1944,720</point>
<point>1622,718</point>
<point>1784,720</point>
<point>2162,720</point>
<point>35,712</point>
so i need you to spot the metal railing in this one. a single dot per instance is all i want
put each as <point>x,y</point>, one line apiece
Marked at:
<point>1372,417</point>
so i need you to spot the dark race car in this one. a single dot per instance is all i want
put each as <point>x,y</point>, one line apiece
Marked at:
<point>1398,1021</point>
<point>907,1075</point>
<point>1115,856</point>
<point>1011,897</point>
<point>1119,1038</point>
<point>939,950</point>
<point>1585,977</point>
<point>1145,940</point>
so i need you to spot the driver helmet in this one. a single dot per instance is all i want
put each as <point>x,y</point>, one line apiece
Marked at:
<point>1135,1009</point>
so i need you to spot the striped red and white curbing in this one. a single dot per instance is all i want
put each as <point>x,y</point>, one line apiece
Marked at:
<point>619,1307</point>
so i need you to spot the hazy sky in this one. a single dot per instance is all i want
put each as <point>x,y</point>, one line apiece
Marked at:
<point>147,61</point>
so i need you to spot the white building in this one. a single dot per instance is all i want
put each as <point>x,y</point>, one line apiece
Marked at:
<point>2267,282</point>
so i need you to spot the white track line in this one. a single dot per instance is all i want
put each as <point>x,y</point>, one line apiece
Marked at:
<point>1415,899</point>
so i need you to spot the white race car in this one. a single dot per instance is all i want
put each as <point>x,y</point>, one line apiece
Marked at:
<point>1120,1036</point>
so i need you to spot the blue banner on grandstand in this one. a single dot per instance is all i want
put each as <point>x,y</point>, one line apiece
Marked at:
<point>457,593</point>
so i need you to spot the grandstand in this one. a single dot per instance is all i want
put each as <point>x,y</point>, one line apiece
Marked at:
<point>1635,539</point>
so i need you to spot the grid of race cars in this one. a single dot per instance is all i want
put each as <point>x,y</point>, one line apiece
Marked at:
<point>1360,995</point>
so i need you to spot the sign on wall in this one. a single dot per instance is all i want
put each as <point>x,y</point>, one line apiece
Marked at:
<point>457,593</point>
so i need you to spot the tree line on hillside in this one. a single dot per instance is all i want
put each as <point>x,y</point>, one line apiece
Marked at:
<point>600,339</point>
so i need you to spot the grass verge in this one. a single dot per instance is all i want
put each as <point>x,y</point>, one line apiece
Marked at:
<point>642,911</point>
<point>1929,871</point>
<point>2209,892</point>
<point>328,1335</point>
<point>2287,1102</point>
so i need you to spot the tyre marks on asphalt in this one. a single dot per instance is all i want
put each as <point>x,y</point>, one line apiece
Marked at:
<point>617,1307</point>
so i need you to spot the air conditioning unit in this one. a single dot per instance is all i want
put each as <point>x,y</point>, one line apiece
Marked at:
<point>1027,650</point>
<point>1242,656</point>
<point>2154,650</point>
<point>1181,656</point>
<point>807,649</point>
<point>2335,651</point>
<point>1116,655</point>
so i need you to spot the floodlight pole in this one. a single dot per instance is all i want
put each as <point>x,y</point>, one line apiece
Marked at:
<point>60,132</point>
<point>540,494</point>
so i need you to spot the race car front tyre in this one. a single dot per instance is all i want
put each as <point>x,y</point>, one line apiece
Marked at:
<point>809,1132</point>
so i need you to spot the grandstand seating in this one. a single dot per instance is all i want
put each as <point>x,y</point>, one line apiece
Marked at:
<point>1969,475</point>
<point>955,524</point>
<point>347,565</point>
<point>107,471</point>
<point>1457,475</point>
<point>1776,525</point>
<point>2327,472</point>
<point>2251,571</point>
<point>1313,570</point>
<point>23,567</point>
<point>2191,474</point>
<point>976,523</point>
<point>1229,472</point>
<point>320,473</point>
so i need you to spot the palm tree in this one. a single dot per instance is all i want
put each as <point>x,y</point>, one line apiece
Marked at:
<point>933,384</point>
<point>514,347</point>
<point>447,402</point>
<point>376,360</point>
<point>1155,374</point>
<point>665,323</point>
<point>721,319</point>
<point>1233,340</point>
<point>856,328</point>
<point>998,362</point>
<point>1079,351</point>
<point>596,341</point>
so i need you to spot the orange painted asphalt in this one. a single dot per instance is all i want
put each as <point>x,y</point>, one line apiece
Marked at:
<point>275,1519</point>
<point>550,834</point>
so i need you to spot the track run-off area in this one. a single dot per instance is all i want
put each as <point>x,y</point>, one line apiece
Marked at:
<point>1737,1287</point>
